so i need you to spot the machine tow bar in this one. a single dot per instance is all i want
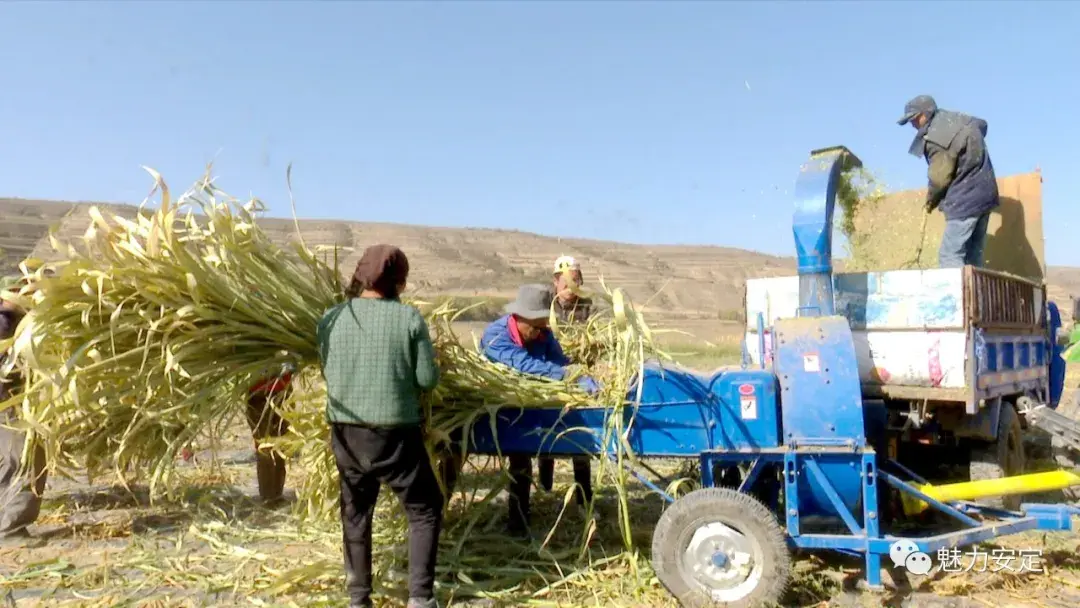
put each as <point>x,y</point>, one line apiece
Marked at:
<point>1056,424</point>
<point>989,488</point>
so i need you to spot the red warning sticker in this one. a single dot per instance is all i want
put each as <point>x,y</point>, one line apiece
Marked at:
<point>746,389</point>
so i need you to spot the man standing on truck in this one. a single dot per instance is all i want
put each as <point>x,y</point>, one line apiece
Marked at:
<point>961,177</point>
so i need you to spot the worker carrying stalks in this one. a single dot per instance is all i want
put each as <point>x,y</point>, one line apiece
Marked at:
<point>523,340</point>
<point>570,307</point>
<point>961,177</point>
<point>20,491</point>
<point>378,360</point>
<point>266,423</point>
<point>264,397</point>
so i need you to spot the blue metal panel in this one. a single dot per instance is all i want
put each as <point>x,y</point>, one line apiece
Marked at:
<point>669,386</point>
<point>833,487</point>
<point>750,415</point>
<point>821,397</point>
<point>677,415</point>
<point>1009,364</point>
<point>1057,363</point>
<point>681,414</point>
<point>541,430</point>
<point>815,197</point>
<point>1051,517</point>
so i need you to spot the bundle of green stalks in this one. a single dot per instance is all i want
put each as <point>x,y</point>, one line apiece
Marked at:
<point>149,334</point>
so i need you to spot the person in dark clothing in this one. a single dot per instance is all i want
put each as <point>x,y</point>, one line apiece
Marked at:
<point>378,358</point>
<point>961,177</point>
<point>570,307</point>
<point>20,491</point>
<point>523,341</point>
<point>266,423</point>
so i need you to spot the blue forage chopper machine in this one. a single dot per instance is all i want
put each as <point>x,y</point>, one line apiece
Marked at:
<point>793,454</point>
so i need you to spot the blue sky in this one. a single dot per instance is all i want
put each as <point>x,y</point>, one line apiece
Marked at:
<point>642,122</point>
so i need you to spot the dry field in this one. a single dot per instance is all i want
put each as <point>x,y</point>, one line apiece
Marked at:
<point>215,545</point>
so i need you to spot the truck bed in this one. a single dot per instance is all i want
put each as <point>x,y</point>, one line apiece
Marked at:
<point>916,331</point>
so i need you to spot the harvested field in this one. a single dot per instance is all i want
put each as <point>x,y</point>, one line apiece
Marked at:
<point>216,545</point>
<point>213,544</point>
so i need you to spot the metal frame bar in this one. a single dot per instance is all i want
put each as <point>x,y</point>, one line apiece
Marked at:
<point>866,539</point>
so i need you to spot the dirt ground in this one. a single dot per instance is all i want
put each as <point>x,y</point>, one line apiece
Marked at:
<point>216,545</point>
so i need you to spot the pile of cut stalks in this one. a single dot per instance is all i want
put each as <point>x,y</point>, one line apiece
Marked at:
<point>858,195</point>
<point>145,339</point>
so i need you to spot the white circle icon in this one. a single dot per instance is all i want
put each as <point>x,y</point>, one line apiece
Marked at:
<point>918,563</point>
<point>900,550</point>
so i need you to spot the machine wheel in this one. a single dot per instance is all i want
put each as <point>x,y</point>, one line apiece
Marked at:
<point>1003,458</point>
<point>718,547</point>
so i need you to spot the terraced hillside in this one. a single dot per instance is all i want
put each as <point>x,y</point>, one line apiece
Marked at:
<point>673,281</point>
<point>22,224</point>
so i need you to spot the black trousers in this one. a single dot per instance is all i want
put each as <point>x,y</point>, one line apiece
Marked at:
<point>521,486</point>
<point>582,476</point>
<point>520,489</point>
<point>266,423</point>
<point>367,457</point>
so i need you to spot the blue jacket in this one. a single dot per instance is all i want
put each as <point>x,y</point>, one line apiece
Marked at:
<point>543,357</point>
<point>961,177</point>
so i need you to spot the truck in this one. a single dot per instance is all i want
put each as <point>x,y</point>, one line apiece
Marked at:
<point>959,356</point>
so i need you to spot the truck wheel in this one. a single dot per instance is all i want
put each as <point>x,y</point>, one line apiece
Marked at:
<point>718,547</point>
<point>1003,458</point>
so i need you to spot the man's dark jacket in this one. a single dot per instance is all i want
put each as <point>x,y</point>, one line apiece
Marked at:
<point>961,177</point>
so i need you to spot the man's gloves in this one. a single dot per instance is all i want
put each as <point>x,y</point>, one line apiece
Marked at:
<point>930,206</point>
<point>589,385</point>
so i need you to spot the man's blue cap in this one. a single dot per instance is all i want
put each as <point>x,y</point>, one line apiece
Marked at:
<point>923,104</point>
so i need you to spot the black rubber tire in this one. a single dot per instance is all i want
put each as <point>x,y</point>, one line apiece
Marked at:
<point>747,515</point>
<point>1003,458</point>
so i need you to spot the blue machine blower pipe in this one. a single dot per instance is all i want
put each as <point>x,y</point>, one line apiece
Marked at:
<point>815,198</point>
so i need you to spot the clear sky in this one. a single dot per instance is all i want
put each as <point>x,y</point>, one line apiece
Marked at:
<point>642,122</point>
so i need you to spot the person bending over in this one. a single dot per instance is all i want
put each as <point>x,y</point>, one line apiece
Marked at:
<point>522,340</point>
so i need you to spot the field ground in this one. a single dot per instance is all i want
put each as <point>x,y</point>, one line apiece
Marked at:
<point>216,545</point>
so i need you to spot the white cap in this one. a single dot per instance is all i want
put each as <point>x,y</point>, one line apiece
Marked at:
<point>566,263</point>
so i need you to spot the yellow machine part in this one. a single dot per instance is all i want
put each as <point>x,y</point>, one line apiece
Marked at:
<point>974,490</point>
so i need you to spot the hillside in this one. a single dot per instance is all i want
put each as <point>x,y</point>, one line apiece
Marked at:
<point>693,281</point>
